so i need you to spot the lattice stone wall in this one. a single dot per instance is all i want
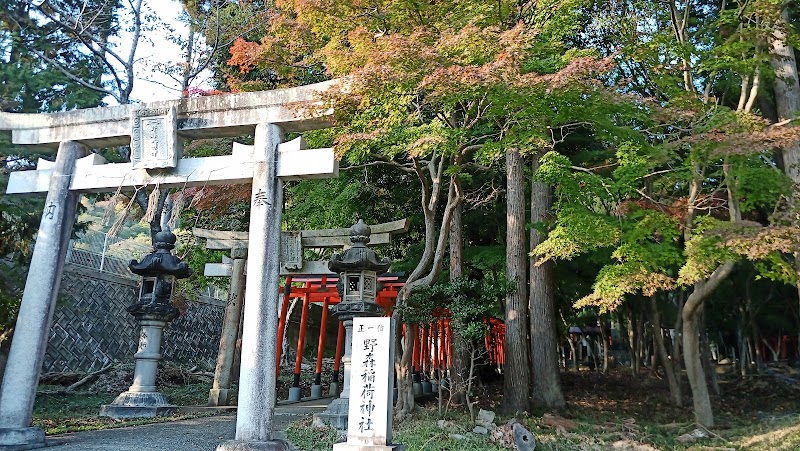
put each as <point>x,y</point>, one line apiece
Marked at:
<point>194,337</point>
<point>92,328</point>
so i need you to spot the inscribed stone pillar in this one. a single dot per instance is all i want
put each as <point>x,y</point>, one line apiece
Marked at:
<point>220,395</point>
<point>370,407</point>
<point>36,311</point>
<point>256,405</point>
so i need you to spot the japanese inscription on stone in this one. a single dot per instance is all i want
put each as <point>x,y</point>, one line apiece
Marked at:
<point>291,250</point>
<point>50,211</point>
<point>154,138</point>
<point>371,382</point>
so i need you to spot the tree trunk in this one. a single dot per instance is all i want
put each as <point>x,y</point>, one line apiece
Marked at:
<point>691,314</point>
<point>461,354</point>
<point>605,345</point>
<point>429,267</point>
<point>787,102</point>
<point>694,370</point>
<point>641,340</point>
<point>541,303</point>
<point>5,346</point>
<point>705,349</point>
<point>517,374</point>
<point>677,356</point>
<point>633,343</point>
<point>658,335</point>
<point>573,352</point>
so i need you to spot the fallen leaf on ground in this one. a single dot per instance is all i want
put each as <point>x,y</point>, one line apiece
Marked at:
<point>558,422</point>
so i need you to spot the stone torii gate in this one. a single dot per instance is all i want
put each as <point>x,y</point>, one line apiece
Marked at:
<point>155,132</point>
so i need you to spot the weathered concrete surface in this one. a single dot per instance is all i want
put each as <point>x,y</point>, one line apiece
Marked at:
<point>220,392</point>
<point>38,300</point>
<point>260,324</point>
<point>92,174</point>
<point>293,109</point>
<point>18,439</point>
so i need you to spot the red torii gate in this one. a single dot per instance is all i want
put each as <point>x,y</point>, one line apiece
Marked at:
<point>322,290</point>
<point>432,344</point>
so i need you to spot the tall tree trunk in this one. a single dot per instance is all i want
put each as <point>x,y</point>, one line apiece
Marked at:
<point>431,177</point>
<point>461,354</point>
<point>658,335</point>
<point>705,349</point>
<point>541,303</point>
<point>691,343</point>
<point>787,102</point>
<point>692,310</point>
<point>787,88</point>
<point>633,342</point>
<point>517,374</point>
<point>604,337</point>
<point>677,354</point>
<point>641,339</point>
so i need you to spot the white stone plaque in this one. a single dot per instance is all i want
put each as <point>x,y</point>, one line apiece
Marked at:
<point>371,382</point>
<point>154,138</point>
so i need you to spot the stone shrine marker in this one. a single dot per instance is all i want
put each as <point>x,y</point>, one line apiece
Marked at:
<point>369,425</point>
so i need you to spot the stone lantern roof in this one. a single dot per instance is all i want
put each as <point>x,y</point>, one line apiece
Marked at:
<point>359,257</point>
<point>161,262</point>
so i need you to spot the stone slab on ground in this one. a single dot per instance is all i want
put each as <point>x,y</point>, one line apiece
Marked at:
<point>197,434</point>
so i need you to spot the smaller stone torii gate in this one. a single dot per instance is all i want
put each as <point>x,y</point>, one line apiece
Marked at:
<point>292,264</point>
<point>155,132</point>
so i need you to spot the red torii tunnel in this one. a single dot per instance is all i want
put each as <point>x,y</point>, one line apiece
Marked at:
<point>433,341</point>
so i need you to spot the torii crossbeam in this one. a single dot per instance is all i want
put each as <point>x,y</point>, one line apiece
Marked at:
<point>155,132</point>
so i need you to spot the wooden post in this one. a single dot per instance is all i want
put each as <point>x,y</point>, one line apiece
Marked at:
<point>337,361</point>
<point>316,387</point>
<point>219,395</point>
<point>287,292</point>
<point>416,384</point>
<point>294,390</point>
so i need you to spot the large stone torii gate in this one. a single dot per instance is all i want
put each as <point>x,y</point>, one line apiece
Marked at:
<point>155,132</point>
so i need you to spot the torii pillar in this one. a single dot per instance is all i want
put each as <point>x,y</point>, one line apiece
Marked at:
<point>155,132</point>
<point>256,405</point>
<point>36,311</point>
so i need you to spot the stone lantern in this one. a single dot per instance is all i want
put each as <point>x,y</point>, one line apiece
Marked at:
<point>358,269</point>
<point>153,310</point>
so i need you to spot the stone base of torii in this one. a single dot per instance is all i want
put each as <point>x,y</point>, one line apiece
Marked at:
<point>155,133</point>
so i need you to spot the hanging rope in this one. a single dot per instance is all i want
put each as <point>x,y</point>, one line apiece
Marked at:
<point>112,206</point>
<point>177,207</point>
<point>115,228</point>
<point>120,221</point>
<point>152,204</point>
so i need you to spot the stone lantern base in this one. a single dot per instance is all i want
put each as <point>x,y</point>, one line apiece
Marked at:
<point>335,415</point>
<point>351,447</point>
<point>137,405</point>
<point>143,400</point>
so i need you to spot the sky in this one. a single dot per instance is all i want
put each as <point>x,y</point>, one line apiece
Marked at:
<point>150,85</point>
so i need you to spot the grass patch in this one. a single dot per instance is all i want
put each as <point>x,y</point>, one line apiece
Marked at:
<point>596,430</point>
<point>60,413</point>
<point>308,438</point>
